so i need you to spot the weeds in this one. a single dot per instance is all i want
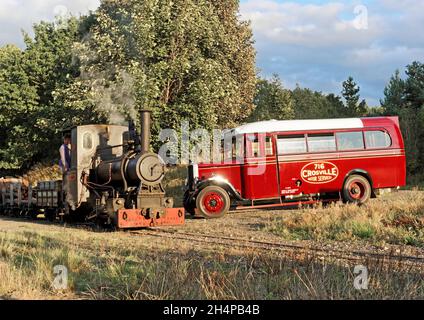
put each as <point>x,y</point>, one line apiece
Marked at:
<point>399,222</point>
<point>102,270</point>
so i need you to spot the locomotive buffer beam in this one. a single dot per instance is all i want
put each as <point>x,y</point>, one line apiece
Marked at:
<point>134,218</point>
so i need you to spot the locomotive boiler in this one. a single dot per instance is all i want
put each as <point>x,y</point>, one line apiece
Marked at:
<point>114,180</point>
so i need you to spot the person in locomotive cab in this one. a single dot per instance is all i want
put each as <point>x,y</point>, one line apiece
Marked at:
<point>65,166</point>
<point>65,154</point>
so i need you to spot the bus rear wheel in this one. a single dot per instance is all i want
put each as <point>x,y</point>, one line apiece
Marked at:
<point>213,202</point>
<point>357,189</point>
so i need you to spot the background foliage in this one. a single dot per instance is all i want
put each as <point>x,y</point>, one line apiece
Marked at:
<point>184,60</point>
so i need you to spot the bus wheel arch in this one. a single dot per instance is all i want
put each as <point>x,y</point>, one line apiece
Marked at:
<point>357,187</point>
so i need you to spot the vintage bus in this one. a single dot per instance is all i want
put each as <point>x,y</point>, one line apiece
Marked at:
<point>286,163</point>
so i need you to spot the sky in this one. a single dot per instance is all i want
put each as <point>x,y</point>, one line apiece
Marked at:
<point>311,43</point>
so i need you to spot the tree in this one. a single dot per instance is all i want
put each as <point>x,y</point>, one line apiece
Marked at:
<point>414,122</point>
<point>310,104</point>
<point>53,68</point>
<point>414,85</point>
<point>18,102</point>
<point>351,95</point>
<point>394,95</point>
<point>272,101</point>
<point>335,107</point>
<point>182,59</point>
<point>405,98</point>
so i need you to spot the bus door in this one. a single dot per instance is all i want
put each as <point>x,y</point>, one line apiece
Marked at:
<point>291,151</point>
<point>260,170</point>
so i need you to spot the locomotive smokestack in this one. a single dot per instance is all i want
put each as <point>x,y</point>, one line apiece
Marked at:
<point>146,124</point>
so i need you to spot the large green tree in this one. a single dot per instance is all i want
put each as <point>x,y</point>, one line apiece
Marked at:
<point>32,115</point>
<point>351,95</point>
<point>18,104</point>
<point>182,59</point>
<point>272,101</point>
<point>53,67</point>
<point>309,104</point>
<point>405,98</point>
<point>394,95</point>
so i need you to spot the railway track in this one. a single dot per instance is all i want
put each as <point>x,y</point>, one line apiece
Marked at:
<point>306,250</point>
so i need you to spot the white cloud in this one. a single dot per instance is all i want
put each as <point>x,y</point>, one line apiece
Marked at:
<point>315,45</point>
<point>16,15</point>
<point>320,45</point>
<point>306,25</point>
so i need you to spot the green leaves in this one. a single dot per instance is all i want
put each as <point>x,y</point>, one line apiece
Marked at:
<point>405,98</point>
<point>18,102</point>
<point>272,101</point>
<point>350,92</point>
<point>188,59</point>
<point>183,59</point>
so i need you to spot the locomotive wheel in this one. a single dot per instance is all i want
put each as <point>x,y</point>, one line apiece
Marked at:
<point>50,215</point>
<point>213,202</point>
<point>356,189</point>
<point>33,214</point>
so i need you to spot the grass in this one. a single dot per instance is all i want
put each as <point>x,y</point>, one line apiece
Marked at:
<point>121,269</point>
<point>398,222</point>
<point>126,266</point>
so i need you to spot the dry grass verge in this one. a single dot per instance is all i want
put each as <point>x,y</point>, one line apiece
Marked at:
<point>121,266</point>
<point>399,221</point>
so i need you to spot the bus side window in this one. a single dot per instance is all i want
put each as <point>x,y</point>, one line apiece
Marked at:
<point>239,148</point>
<point>233,149</point>
<point>350,141</point>
<point>227,150</point>
<point>254,146</point>
<point>269,149</point>
<point>291,144</point>
<point>258,146</point>
<point>377,139</point>
<point>321,142</point>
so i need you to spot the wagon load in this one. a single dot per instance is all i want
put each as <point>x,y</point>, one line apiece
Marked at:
<point>14,194</point>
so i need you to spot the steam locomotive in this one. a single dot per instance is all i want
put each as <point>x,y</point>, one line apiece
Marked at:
<point>114,180</point>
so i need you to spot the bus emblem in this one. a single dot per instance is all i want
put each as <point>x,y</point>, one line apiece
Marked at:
<point>319,172</point>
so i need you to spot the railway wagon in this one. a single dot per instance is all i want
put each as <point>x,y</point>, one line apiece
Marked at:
<point>16,196</point>
<point>114,180</point>
<point>284,163</point>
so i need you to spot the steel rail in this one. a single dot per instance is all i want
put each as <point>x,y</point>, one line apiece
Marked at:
<point>282,247</point>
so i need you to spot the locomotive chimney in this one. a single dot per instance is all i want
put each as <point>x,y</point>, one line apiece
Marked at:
<point>146,124</point>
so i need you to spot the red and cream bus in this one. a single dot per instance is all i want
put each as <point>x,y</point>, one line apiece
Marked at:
<point>286,163</point>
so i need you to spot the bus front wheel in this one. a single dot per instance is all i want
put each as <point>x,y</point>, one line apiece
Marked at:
<point>213,202</point>
<point>357,189</point>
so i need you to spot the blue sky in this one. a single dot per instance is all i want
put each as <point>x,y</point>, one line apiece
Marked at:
<point>312,43</point>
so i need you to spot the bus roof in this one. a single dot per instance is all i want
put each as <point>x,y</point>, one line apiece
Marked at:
<point>299,125</point>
